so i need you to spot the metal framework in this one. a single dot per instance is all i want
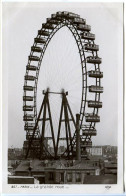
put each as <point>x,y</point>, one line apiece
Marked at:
<point>88,52</point>
<point>66,117</point>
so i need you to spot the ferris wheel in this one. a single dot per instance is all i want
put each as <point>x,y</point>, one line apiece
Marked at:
<point>35,120</point>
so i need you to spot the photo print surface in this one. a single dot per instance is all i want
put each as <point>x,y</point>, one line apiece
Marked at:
<point>63,73</point>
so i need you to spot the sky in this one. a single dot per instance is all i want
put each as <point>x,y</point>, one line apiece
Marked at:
<point>21,21</point>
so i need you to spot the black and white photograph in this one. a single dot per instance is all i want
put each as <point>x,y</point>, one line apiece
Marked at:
<point>62,68</point>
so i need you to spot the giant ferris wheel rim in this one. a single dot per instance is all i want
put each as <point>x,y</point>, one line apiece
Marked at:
<point>73,27</point>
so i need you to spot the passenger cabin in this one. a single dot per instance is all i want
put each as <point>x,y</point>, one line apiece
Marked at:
<point>71,15</point>
<point>27,108</point>
<point>86,144</point>
<point>53,16</point>
<point>58,18</point>
<point>32,78</point>
<point>90,131</point>
<point>79,21</point>
<point>33,58</point>
<point>74,15</point>
<point>48,26</point>
<point>28,88</point>
<point>29,136</point>
<point>27,98</point>
<point>58,13</point>
<point>36,49</point>
<point>52,21</point>
<point>67,14</point>
<point>64,14</point>
<point>88,36</point>
<point>31,68</point>
<point>94,59</point>
<point>40,40</point>
<point>95,74</point>
<point>92,47</point>
<point>92,118</point>
<point>29,126</point>
<point>95,89</point>
<point>94,104</point>
<point>84,27</point>
<point>28,117</point>
<point>44,33</point>
<point>48,19</point>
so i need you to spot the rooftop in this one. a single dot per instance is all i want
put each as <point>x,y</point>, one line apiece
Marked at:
<point>38,165</point>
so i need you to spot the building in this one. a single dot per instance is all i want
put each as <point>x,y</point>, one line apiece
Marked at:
<point>15,156</point>
<point>109,150</point>
<point>10,169</point>
<point>57,172</point>
<point>63,171</point>
<point>102,179</point>
<point>22,180</point>
<point>15,153</point>
<point>110,168</point>
<point>95,151</point>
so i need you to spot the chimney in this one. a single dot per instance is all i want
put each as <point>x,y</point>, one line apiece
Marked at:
<point>78,149</point>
